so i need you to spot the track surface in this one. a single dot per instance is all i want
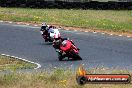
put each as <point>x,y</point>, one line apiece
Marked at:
<point>96,49</point>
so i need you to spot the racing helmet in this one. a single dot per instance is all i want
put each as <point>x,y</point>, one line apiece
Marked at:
<point>64,43</point>
<point>58,41</point>
<point>44,24</point>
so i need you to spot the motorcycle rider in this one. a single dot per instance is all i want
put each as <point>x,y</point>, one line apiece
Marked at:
<point>57,43</point>
<point>45,30</point>
<point>44,27</point>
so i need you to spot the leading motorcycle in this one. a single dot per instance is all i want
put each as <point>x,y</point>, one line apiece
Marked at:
<point>50,34</point>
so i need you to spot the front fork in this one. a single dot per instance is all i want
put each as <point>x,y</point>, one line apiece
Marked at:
<point>74,49</point>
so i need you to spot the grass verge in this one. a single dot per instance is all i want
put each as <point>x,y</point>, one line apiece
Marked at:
<point>111,20</point>
<point>58,78</point>
<point>7,63</point>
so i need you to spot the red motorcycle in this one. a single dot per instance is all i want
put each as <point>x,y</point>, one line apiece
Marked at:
<point>70,50</point>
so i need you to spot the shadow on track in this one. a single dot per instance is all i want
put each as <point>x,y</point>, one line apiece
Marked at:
<point>48,43</point>
<point>70,60</point>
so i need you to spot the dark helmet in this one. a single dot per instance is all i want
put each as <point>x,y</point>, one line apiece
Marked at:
<point>58,41</point>
<point>44,24</point>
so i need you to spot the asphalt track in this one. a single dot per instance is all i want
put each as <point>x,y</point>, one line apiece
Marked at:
<point>95,48</point>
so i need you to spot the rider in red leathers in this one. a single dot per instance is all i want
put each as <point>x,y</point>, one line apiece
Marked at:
<point>57,43</point>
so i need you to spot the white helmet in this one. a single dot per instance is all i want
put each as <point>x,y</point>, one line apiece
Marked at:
<point>44,24</point>
<point>64,43</point>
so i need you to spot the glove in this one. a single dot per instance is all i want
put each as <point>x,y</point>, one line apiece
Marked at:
<point>59,51</point>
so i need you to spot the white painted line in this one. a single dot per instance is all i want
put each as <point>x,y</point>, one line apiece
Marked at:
<point>7,55</point>
<point>10,22</point>
<point>1,20</point>
<point>35,25</point>
<point>27,24</point>
<point>19,58</point>
<point>18,23</point>
<point>55,67</point>
<point>16,57</point>
<point>120,35</point>
<point>3,54</point>
<point>111,34</point>
<point>38,65</point>
<point>128,36</point>
<point>67,29</point>
<point>75,30</point>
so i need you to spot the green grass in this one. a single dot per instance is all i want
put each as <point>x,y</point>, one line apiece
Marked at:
<point>58,78</point>
<point>91,19</point>
<point>7,63</point>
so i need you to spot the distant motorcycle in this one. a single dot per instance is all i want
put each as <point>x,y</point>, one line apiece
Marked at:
<point>50,35</point>
<point>70,50</point>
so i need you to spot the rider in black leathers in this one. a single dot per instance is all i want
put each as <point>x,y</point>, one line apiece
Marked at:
<point>45,31</point>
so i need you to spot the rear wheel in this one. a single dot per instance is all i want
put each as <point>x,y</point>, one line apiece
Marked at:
<point>60,59</point>
<point>76,56</point>
<point>50,40</point>
<point>46,40</point>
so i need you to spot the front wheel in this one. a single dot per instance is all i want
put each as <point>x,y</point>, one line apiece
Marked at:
<point>60,56</point>
<point>60,59</point>
<point>78,57</point>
